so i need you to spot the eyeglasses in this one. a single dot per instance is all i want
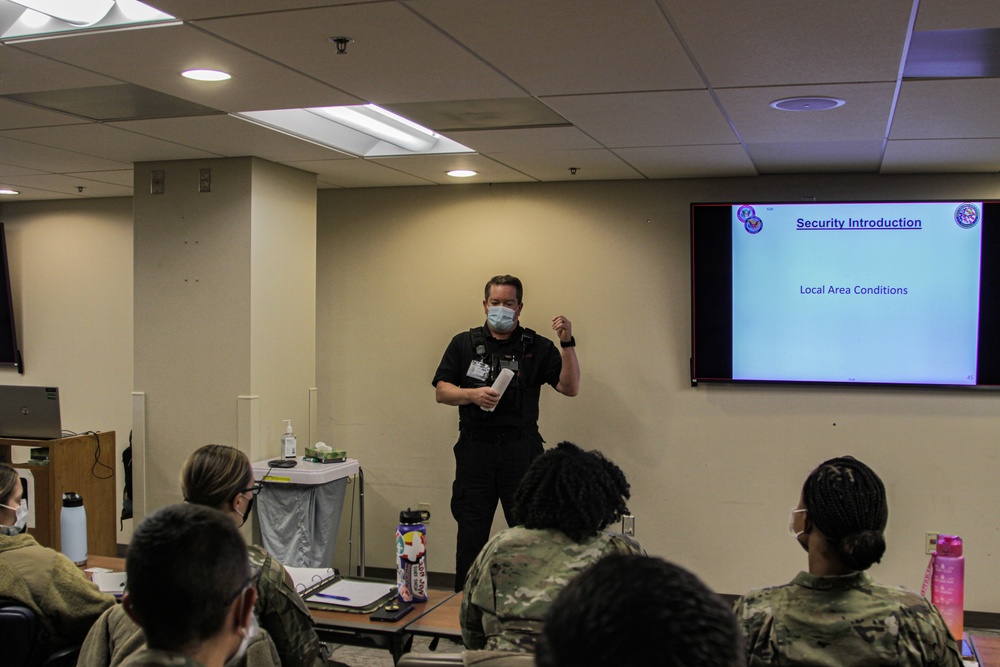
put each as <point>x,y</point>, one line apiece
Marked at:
<point>254,488</point>
<point>250,581</point>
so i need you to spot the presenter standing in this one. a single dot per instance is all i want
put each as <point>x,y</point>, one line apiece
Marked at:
<point>498,434</point>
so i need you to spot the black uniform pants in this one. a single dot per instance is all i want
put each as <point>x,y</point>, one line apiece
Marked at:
<point>489,465</point>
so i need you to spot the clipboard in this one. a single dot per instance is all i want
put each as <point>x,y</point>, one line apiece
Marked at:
<point>308,580</point>
<point>360,596</point>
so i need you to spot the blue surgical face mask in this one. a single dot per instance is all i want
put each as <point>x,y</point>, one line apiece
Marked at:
<point>501,318</point>
<point>20,519</point>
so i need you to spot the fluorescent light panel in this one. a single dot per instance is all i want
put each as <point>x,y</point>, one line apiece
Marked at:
<point>40,19</point>
<point>364,130</point>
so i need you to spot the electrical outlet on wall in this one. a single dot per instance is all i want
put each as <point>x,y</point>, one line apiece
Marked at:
<point>930,543</point>
<point>628,525</point>
<point>425,507</point>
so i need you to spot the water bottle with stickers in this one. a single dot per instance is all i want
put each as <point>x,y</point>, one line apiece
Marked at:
<point>411,555</point>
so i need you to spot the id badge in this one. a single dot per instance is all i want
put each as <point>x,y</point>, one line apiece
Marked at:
<point>479,370</point>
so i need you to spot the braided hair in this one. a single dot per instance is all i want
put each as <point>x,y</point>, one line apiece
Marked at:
<point>846,502</point>
<point>573,491</point>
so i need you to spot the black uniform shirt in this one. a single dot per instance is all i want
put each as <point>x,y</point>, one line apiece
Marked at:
<point>539,362</point>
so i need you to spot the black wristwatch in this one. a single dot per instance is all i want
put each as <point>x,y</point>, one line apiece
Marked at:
<point>569,343</point>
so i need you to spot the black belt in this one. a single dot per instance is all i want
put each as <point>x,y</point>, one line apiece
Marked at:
<point>496,432</point>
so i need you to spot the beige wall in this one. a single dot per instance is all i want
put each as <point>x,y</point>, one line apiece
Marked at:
<point>224,311</point>
<point>71,275</point>
<point>714,470</point>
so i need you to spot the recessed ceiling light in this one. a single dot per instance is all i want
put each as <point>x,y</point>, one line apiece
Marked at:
<point>807,103</point>
<point>462,173</point>
<point>5,191</point>
<point>206,75</point>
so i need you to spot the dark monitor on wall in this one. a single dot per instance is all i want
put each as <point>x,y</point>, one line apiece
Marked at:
<point>900,293</point>
<point>10,355</point>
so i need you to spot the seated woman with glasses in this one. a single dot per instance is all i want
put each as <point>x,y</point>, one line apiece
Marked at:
<point>221,477</point>
<point>40,578</point>
<point>835,614</point>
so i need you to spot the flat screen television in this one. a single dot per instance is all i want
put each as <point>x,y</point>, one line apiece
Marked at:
<point>9,354</point>
<point>902,293</point>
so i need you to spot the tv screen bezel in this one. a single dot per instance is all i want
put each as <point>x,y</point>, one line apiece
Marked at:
<point>711,322</point>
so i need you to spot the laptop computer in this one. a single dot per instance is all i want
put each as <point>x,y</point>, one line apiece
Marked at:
<point>30,412</point>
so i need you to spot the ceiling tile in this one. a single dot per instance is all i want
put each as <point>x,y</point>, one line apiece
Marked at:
<point>562,47</point>
<point>947,109</point>
<point>108,142</point>
<point>55,160</point>
<point>199,9</point>
<point>230,137</point>
<point>357,173</point>
<point>155,57</point>
<point>780,42</point>
<point>864,115</point>
<point>17,115</point>
<point>956,15</point>
<point>14,170</point>
<point>818,157</point>
<point>647,119</point>
<point>434,168</point>
<point>395,57</point>
<point>68,185</point>
<point>122,177</point>
<point>558,165</point>
<point>25,72</point>
<point>689,161</point>
<point>526,139</point>
<point>941,155</point>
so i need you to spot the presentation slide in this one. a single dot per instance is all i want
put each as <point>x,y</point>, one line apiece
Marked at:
<point>872,292</point>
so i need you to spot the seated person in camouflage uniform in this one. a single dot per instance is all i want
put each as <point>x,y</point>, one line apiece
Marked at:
<point>190,587</point>
<point>221,477</point>
<point>563,504</point>
<point>637,611</point>
<point>66,603</point>
<point>836,614</point>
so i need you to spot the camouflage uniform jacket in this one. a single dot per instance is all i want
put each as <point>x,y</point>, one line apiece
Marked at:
<point>281,611</point>
<point>516,577</point>
<point>52,586</point>
<point>843,621</point>
<point>148,657</point>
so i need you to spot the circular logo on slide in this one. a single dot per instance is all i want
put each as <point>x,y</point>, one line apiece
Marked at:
<point>744,213</point>
<point>753,224</point>
<point>967,216</point>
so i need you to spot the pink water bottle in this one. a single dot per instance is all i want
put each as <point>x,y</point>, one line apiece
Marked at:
<point>948,582</point>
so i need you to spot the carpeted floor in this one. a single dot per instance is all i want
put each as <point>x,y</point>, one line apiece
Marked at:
<point>357,656</point>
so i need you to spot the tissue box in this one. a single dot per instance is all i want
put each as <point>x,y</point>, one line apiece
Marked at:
<point>336,456</point>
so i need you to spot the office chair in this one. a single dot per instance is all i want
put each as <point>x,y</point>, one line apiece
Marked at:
<point>23,639</point>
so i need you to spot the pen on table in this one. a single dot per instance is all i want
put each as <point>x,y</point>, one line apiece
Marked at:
<point>333,597</point>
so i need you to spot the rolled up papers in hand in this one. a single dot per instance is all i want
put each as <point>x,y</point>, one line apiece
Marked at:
<point>500,385</point>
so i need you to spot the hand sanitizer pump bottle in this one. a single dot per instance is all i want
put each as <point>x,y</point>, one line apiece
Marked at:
<point>288,449</point>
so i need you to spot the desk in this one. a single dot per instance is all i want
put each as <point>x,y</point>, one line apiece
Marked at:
<point>442,621</point>
<point>82,463</point>
<point>112,563</point>
<point>987,648</point>
<point>351,628</point>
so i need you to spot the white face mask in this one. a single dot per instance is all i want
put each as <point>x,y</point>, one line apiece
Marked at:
<point>249,633</point>
<point>791,523</point>
<point>20,519</point>
<point>501,318</point>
